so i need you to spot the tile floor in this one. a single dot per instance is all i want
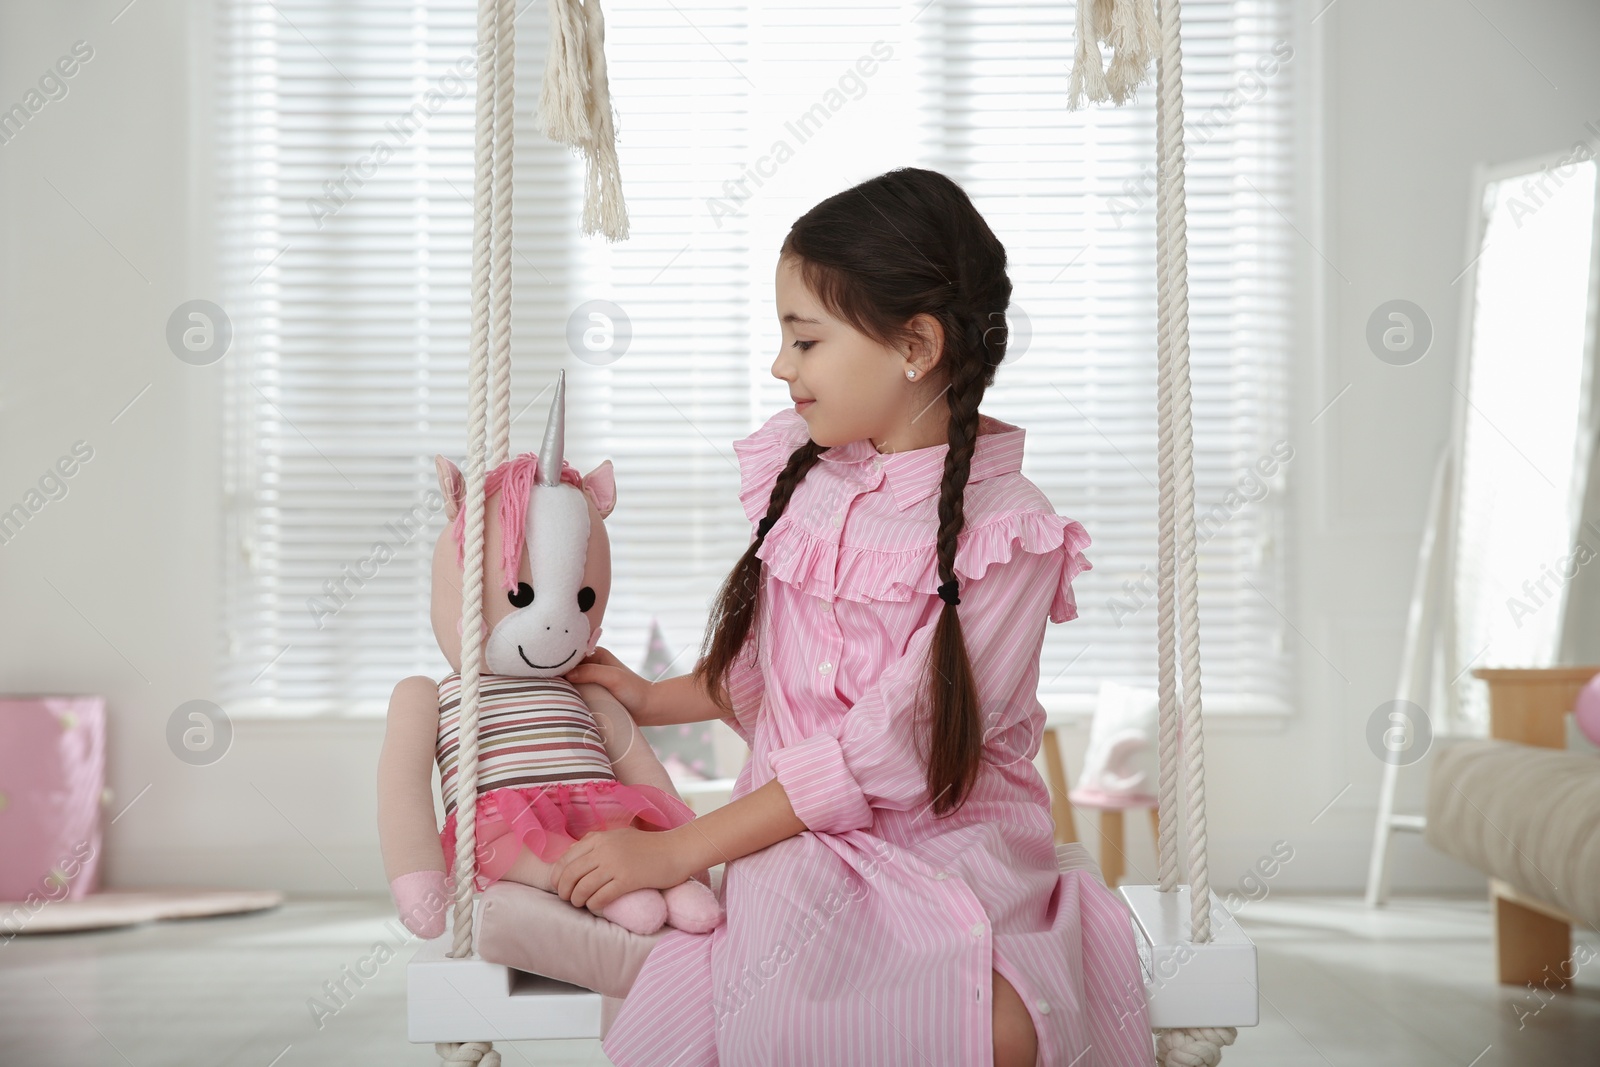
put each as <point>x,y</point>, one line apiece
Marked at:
<point>1409,986</point>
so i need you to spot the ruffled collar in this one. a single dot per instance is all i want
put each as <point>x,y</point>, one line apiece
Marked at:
<point>915,474</point>
<point>901,561</point>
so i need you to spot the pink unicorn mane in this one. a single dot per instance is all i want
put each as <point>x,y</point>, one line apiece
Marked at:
<point>513,480</point>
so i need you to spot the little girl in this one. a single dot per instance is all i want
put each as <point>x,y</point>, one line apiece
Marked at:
<point>891,886</point>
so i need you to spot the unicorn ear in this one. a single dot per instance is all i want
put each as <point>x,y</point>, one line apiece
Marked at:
<point>452,485</point>
<point>601,485</point>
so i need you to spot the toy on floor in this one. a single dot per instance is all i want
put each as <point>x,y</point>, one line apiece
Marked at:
<point>555,760</point>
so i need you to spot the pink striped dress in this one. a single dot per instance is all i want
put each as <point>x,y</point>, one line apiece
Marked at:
<point>868,939</point>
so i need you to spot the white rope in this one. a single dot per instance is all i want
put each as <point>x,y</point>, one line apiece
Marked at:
<point>466,813</point>
<point>467,1053</point>
<point>505,97</point>
<point>1172,347</point>
<point>575,109</point>
<point>1199,1046</point>
<point>1168,816</point>
<point>1127,27</point>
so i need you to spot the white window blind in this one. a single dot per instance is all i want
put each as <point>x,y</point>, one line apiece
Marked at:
<point>345,157</point>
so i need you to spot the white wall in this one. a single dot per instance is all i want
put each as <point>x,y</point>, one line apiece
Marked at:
<point>113,588</point>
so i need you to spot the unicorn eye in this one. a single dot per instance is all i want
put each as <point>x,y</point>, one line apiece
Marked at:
<point>521,596</point>
<point>585,598</point>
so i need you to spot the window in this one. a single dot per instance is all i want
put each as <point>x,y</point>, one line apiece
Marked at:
<point>345,156</point>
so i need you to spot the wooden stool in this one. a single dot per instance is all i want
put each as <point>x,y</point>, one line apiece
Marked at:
<point>1113,855</point>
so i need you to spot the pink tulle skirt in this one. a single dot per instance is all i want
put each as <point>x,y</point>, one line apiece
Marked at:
<point>549,819</point>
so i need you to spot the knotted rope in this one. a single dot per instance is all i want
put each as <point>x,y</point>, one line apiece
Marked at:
<point>1133,35</point>
<point>467,1053</point>
<point>1199,1046</point>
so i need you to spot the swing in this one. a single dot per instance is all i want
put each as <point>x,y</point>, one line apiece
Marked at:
<point>1199,967</point>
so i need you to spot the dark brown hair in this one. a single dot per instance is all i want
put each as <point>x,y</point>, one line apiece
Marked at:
<point>905,243</point>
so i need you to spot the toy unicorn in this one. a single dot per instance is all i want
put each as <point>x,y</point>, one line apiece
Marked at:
<point>556,760</point>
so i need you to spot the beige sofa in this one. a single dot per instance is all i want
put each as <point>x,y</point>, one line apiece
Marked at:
<point>1526,812</point>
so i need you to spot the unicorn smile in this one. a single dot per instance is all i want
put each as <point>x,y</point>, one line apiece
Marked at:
<point>542,666</point>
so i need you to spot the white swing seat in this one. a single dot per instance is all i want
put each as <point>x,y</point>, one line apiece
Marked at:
<point>1189,985</point>
<point>473,999</point>
<point>553,971</point>
<point>1186,985</point>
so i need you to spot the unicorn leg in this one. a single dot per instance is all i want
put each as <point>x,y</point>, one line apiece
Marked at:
<point>643,911</point>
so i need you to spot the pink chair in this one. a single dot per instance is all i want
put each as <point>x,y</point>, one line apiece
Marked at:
<point>1113,847</point>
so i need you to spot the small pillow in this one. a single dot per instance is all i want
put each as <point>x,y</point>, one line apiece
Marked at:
<point>536,931</point>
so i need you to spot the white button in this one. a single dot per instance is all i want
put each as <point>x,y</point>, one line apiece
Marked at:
<point>941,876</point>
<point>977,929</point>
<point>838,519</point>
<point>826,606</point>
<point>825,667</point>
<point>877,463</point>
<point>1044,1008</point>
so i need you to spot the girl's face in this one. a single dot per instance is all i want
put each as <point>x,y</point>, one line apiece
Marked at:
<point>848,386</point>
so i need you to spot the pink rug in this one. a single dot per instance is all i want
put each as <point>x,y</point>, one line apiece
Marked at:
<point>126,907</point>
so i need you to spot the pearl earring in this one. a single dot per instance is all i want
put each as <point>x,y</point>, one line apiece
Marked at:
<point>911,373</point>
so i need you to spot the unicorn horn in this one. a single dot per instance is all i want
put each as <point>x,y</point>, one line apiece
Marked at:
<point>555,435</point>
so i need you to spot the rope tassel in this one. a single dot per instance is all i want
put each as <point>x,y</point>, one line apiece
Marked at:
<point>1130,30</point>
<point>575,109</point>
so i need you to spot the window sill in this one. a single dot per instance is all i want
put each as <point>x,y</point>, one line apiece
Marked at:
<point>1227,713</point>
<point>303,711</point>
<point>1223,713</point>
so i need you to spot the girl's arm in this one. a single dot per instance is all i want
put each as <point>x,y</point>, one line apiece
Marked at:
<point>679,700</point>
<point>760,818</point>
<point>665,703</point>
<point>632,759</point>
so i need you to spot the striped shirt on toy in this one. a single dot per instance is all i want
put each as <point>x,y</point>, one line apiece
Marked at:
<point>531,731</point>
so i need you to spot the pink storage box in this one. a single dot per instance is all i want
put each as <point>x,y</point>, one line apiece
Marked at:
<point>52,778</point>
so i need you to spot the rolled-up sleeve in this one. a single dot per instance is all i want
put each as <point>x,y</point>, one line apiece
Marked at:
<point>834,780</point>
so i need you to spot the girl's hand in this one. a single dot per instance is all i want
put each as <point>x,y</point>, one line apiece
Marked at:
<point>605,864</point>
<point>630,689</point>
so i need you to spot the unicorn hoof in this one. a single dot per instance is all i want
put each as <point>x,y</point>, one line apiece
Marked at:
<point>692,907</point>
<point>642,911</point>
<point>420,899</point>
